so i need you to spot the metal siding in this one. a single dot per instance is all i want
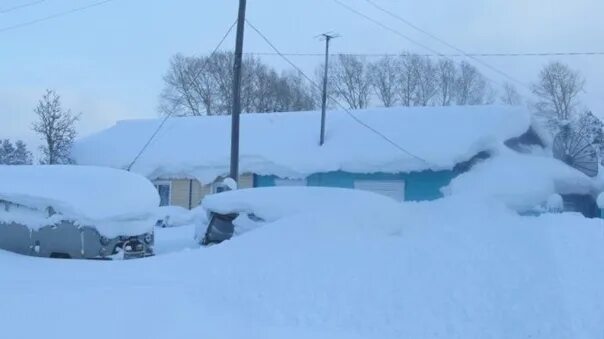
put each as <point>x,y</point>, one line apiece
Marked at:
<point>419,186</point>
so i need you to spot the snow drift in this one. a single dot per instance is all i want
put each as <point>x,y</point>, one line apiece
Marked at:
<point>522,181</point>
<point>286,144</point>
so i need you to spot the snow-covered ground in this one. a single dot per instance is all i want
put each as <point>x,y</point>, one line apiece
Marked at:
<point>453,268</point>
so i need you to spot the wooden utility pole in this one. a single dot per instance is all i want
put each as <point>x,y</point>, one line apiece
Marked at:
<point>236,108</point>
<point>327,37</point>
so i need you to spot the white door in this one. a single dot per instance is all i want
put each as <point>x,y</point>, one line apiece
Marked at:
<point>390,188</point>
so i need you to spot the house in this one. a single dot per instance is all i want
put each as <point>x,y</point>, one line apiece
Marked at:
<point>405,153</point>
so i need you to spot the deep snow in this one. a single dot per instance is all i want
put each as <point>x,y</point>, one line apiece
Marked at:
<point>522,181</point>
<point>446,269</point>
<point>286,144</point>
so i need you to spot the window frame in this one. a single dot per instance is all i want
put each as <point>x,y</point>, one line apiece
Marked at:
<point>168,183</point>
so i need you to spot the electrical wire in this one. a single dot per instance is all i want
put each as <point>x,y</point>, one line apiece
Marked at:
<point>378,55</point>
<point>18,7</point>
<point>375,21</point>
<point>165,119</point>
<point>344,108</point>
<point>54,16</point>
<point>444,42</point>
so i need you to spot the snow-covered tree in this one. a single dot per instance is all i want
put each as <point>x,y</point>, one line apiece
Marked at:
<point>14,154</point>
<point>56,128</point>
<point>7,152</point>
<point>22,155</point>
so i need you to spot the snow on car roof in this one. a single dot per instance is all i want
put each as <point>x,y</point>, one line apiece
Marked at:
<point>287,144</point>
<point>81,192</point>
<point>272,203</point>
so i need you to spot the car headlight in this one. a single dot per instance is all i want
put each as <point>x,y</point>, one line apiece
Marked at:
<point>148,238</point>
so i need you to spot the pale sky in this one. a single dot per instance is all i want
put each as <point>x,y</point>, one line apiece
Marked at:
<point>107,62</point>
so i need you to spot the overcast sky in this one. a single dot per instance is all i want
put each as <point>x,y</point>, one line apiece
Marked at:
<point>107,62</point>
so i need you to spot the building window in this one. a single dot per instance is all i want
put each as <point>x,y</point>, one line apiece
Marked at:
<point>290,182</point>
<point>164,189</point>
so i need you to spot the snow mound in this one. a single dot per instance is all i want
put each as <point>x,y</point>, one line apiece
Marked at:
<point>522,181</point>
<point>114,201</point>
<point>555,203</point>
<point>286,144</point>
<point>275,203</point>
<point>175,216</point>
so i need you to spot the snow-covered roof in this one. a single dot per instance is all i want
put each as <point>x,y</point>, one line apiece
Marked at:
<point>287,144</point>
<point>104,198</point>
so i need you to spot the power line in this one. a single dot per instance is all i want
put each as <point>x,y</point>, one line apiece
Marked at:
<point>388,28</point>
<point>140,153</point>
<point>18,7</point>
<point>54,16</point>
<point>348,112</point>
<point>442,41</point>
<point>377,55</point>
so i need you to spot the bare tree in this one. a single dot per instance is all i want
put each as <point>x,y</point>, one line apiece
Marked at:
<point>410,65</point>
<point>349,79</point>
<point>203,86</point>
<point>471,86</point>
<point>510,95</point>
<point>446,77</point>
<point>558,88</point>
<point>56,128</point>
<point>190,87</point>
<point>385,80</point>
<point>426,82</point>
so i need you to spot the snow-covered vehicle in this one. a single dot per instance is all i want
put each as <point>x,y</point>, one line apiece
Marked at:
<point>235,212</point>
<point>76,212</point>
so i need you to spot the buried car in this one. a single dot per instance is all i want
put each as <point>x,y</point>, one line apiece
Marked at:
<point>235,212</point>
<point>76,212</point>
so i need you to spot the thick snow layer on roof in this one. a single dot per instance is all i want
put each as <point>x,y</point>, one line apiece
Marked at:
<point>287,144</point>
<point>116,202</point>
<point>522,181</point>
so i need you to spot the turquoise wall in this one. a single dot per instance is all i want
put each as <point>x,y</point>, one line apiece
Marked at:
<point>419,186</point>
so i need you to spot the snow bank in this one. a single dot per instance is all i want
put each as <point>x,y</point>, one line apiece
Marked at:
<point>175,216</point>
<point>458,269</point>
<point>115,202</point>
<point>286,144</point>
<point>522,181</point>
